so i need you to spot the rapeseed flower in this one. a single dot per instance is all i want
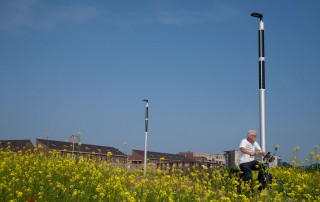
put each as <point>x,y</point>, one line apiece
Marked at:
<point>54,178</point>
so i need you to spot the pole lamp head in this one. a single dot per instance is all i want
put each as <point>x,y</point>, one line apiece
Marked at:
<point>257,15</point>
<point>145,100</point>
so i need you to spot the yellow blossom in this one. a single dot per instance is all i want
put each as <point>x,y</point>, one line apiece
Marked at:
<point>57,177</point>
<point>19,194</point>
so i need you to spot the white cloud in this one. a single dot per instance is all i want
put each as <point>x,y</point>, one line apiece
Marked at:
<point>74,14</point>
<point>176,17</point>
<point>221,12</point>
<point>18,15</point>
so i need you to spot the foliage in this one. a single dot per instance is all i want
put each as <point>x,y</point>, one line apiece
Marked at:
<point>36,177</point>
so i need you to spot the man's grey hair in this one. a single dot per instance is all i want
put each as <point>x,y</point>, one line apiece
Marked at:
<point>250,132</point>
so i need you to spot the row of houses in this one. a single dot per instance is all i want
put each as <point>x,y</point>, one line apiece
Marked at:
<point>65,149</point>
<point>181,160</point>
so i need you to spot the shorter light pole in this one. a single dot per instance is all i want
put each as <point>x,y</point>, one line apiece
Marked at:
<point>145,139</point>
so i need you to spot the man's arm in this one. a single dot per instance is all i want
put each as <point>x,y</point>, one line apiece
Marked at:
<point>245,151</point>
<point>259,150</point>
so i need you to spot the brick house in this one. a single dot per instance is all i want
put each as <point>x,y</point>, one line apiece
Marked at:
<point>17,145</point>
<point>206,159</point>
<point>232,158</point>
<point>102,153</point>
<point>161,160</point>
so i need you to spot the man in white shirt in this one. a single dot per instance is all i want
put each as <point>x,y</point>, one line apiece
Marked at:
<point>247,162</point>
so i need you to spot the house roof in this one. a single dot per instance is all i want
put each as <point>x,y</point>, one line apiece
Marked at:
<point>15,145</point>
<point>88,148</point>
<point>158,155</point>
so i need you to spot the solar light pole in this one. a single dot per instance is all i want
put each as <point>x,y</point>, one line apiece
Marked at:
<point>261,81</point>
<point>145,138</point>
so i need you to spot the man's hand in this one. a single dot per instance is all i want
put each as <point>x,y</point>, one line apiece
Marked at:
<point>261,153</point>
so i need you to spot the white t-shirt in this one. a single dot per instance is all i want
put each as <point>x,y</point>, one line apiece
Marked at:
<point>244,158</point>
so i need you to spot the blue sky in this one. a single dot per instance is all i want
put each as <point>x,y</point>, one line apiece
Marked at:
<point>69,66</point>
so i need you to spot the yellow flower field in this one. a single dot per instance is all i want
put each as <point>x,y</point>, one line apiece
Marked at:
<point>36,177</point>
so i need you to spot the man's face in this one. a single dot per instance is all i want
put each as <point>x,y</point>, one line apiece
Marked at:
<point>252,137</point>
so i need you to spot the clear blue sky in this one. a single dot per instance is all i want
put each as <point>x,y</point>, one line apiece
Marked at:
<point>69,66</point>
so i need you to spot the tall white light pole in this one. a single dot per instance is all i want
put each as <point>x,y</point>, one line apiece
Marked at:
<point>145,138</point>
<point>261,82</point>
